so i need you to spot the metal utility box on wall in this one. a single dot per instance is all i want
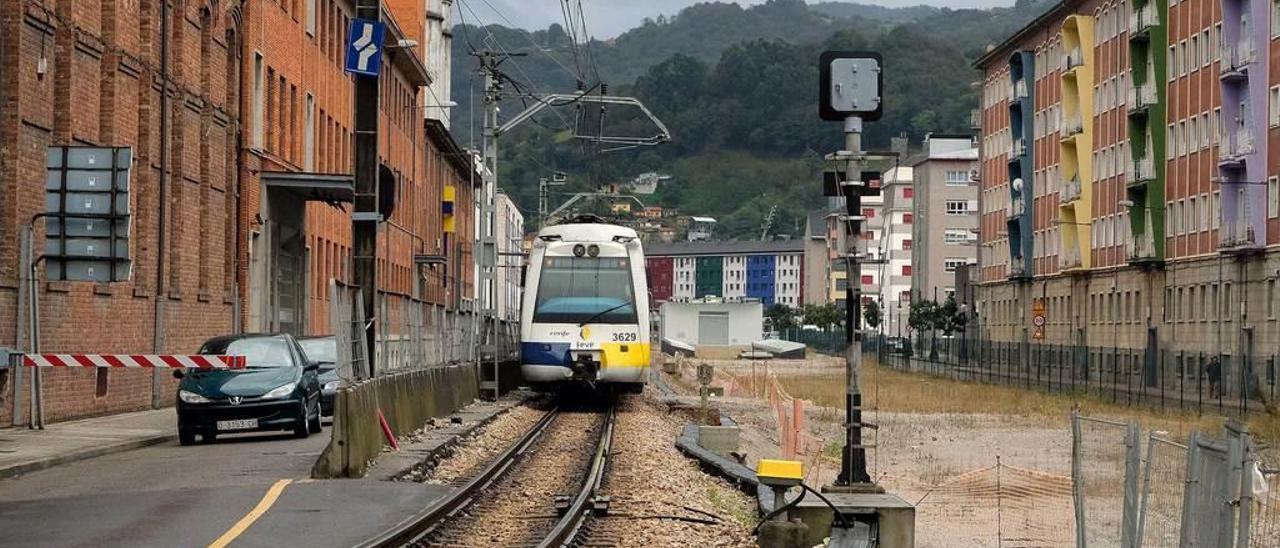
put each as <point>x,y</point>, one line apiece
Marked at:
<point>87,213</point>
<point>713,323</point>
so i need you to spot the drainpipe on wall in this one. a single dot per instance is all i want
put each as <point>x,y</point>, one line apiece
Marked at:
<point>157,340</point>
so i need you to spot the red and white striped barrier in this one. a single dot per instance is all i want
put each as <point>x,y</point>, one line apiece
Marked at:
<point>170,361</point>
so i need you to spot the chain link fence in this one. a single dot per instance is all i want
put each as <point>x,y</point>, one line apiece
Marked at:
<point>1210,492</point>
<point>1165,379</point>
<point>412,334</point>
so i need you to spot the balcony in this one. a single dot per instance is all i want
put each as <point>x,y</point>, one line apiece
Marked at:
<point>1070,191</point>
<point>1072,59</point>
<point>1235,60</point>
<point>1234,147</point>
<point>1018,268</point>
<point>1142,20</point>
<point>1017,208</point>
<point>1141,248</point>
<point>1017,91</point>
<point>1072,125</point>
<point>1018,148</point>
<point>1142,96</point>
<point>1140,171</point>
<point>1237,235</point>
<point>1069,259</point>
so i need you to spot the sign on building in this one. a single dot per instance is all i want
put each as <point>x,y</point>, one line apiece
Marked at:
<point>364,47</point>
<point>1038,320</point>
<point>87,213</point>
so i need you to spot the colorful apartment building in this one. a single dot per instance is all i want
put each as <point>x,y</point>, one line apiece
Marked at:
<point>771,272</point>
<point>1128,176</point>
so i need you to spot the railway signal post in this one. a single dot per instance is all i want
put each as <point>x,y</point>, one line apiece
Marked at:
<point>850,92</point>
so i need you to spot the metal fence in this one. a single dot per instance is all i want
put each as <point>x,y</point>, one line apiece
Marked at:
<point>1209,492</point>
<point>1198,381</point>
<point>412,334</point>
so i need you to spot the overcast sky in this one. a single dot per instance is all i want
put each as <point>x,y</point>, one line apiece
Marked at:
<point>609,18</point>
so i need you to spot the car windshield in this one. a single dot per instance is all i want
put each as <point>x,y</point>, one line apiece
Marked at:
<point>577,289</point>
<point>257,351</point>
<point>324,350</point>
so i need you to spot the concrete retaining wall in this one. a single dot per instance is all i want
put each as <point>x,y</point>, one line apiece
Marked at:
<point>406,399</point>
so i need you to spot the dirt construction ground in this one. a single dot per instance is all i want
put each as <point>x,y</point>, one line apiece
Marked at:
<point>985,465</point>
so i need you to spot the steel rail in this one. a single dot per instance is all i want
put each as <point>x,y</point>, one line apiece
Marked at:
<point>567,528</point>
<point>417,526</point>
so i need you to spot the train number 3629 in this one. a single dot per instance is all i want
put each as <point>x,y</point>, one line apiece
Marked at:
<point>624,337</point>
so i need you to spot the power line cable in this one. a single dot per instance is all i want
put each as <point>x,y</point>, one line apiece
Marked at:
<point>493,40</point>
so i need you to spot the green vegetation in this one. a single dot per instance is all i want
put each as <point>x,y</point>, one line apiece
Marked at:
<point>737,88</point>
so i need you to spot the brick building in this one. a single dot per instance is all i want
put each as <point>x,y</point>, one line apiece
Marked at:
<point>241,175</point>
<point>1129,176</point>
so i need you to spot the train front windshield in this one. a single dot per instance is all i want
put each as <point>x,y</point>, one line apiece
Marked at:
<point>580,289</point>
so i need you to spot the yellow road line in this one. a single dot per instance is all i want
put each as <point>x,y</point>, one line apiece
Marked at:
<point>263,505</point>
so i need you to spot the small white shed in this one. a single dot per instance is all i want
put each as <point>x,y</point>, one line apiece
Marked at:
<point>713,322</point>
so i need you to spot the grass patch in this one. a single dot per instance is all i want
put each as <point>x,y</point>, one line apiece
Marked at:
<point>745,517</point>
<point>897,391</point>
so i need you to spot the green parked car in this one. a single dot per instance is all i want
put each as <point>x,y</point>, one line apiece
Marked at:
<point>277,390</point>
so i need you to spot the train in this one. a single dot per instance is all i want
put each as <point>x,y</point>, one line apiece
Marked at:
<point>584,317</point>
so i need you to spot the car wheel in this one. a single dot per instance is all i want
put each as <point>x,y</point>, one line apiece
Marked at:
<point>301,430</point>
<point>313,424</point>
<point>186,437</point>
<point>208,438</point>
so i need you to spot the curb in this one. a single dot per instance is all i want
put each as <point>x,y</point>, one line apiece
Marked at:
<point>15,470</point>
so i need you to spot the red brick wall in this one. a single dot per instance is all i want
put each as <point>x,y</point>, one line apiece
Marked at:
<point>102,58</point>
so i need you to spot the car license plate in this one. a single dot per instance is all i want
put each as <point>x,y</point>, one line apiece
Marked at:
<point>244,424</point>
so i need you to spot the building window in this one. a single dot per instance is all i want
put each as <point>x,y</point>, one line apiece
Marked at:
<point>957,178</point>
<point>906,244</point>
<point>957,207</point>
<point>868,213</point>
<point>867,279</point>
<point>950,264</point>
<point>907,218</point>
<point>1275,105</point>
<point>311,17</point>
<point>309,134</point>
<point>1275,18</point>
<point>258,98</point>
<point>955,236</point>
<point>1273,197</point>
<point>908,193</point>
<point>906,270</point>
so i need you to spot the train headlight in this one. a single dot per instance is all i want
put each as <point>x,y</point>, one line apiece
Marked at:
<point>579,250</point>
<point>593,250</point>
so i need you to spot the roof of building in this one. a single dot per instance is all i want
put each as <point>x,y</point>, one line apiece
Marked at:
<point>967,154</point>
<point>743,247</point>
<point>817,225</point>
<point>1064,7</point>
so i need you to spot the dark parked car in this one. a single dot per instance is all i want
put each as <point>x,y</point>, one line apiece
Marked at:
<point>277,390</point>
<point>324,351</point>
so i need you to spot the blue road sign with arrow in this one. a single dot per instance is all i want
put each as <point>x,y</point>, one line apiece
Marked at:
<point>364,47</point>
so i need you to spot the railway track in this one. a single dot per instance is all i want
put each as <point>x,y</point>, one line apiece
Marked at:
<point>537,492</point>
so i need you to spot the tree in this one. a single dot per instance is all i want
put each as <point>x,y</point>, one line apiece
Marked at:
<point>871,314</point>
<point>822,315</point>
<point>781,316</point>
<point>922,317</point>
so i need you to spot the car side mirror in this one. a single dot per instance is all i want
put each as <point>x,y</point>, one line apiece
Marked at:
<point>179,373</point>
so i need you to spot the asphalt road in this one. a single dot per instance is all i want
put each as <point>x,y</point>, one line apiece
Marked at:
<point>249,490</point>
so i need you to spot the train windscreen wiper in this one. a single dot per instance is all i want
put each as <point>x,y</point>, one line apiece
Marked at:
<point>603,312</point>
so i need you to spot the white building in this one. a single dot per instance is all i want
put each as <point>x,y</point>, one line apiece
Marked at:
<point>735,276</point>
<point>713,322</point>
<point>894,275</point>
<point>508,233</point>
<point>788,273</point>
<point>439,59</point>
<point>683,284</point>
